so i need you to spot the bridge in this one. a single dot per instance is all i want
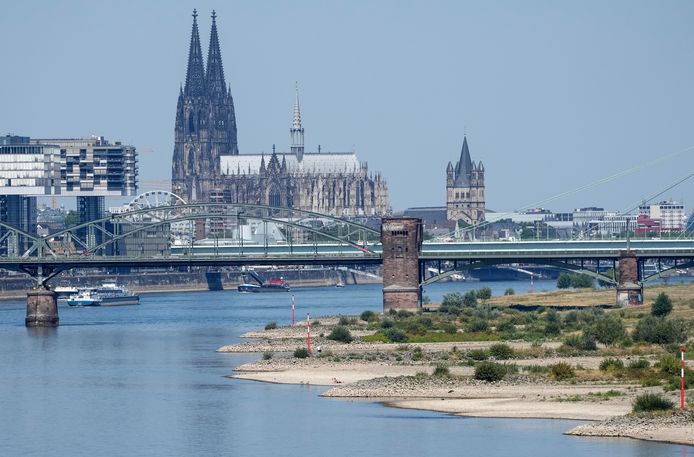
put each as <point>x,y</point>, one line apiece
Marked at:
<point>306,238</point>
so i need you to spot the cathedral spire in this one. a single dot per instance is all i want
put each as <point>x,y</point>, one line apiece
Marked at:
<point>215,71</point>
<point>195,76</point>
<point>463,169</point>
<point>297,131</point>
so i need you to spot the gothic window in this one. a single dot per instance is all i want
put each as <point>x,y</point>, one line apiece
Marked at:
<point>191,123</point>
<point>275,198</point>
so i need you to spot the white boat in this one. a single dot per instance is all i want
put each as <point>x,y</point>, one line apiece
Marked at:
<point>340,284</point>
<point>108,294</point>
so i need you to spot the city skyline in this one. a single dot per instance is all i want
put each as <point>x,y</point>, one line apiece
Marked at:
<point>590,89</point>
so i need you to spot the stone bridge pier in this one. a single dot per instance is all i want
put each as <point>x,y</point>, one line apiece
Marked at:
<point>401,239</point>
<point>42,308</point>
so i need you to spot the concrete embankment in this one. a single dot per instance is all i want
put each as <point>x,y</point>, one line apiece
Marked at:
<point>16,286</point>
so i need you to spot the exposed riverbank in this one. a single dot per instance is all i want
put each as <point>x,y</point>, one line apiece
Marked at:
<point>387,372</point>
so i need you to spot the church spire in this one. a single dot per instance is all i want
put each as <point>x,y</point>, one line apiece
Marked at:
<point>297,131</point>
<point>463,170</point>
<point>215,71</point>
<point>195,76</point>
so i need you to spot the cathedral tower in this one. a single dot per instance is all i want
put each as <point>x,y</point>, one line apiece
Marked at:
<point>205,121</point>
<point>465,189</point>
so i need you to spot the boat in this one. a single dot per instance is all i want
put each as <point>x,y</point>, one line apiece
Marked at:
<point>62,293</point>
<point>339,284</point>
<point>109,294</point>
<point>272,285</point>
<point>245,287</point>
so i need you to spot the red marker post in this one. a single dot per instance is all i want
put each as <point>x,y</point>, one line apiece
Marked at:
<point>292,310</point>
<point>308,331</point>
<point>682,374</point>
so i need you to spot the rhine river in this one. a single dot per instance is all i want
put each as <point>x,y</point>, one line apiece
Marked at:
<point>146,381</point>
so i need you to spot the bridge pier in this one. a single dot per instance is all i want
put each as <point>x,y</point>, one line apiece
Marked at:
<point>42,308</point>
<point>214,280</point>
<point>629,288</point>
<point>401,239</point>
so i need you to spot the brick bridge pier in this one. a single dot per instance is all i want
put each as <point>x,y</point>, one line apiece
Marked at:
<point>401,239</point>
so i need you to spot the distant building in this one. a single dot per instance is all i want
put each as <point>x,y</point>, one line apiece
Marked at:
<point>465,189</point>
<point>207,165</point>
<point>671,215</point>
<point>434,218</point>
<point>583,216</point>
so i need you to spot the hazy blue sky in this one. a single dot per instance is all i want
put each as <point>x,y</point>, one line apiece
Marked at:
<point>553,95</point>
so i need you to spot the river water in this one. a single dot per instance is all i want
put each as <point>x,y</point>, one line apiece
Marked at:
<point>146,381</point>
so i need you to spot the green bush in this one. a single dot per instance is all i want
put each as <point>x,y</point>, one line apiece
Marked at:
<point>300,353</point>
<point>490,371</point>
<point>452,299</point>
<point>470,298</point>
<point>662,306</point>
<point>441,371</point>
<point>651,402</point>
<point>611,364</point>
<point>267,355</point>
<point>367,316</point>
<point>340,333</point>
<point>404,314</point>
<point>484,293</point>
<point>344,320</point>
<point>506,326</point>
<point>661,331</point>
<point>564,281</point>
<point>501,351</point>
<point>582,281</point>
<point>395,335</point>
<point>478,354</point>
<point>509,291</point>
<point>449,328</point>
<point>477,325</point>
<point>271,325</point>
<point>640,364</point>
<point>561,371</point>
<point>552,329</point>
<point>608,329</point>
<point>386,323</point>
<point>582,343</point>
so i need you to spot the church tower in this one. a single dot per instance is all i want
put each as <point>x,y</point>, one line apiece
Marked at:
<point>465,189</point>
<point>205,121</point>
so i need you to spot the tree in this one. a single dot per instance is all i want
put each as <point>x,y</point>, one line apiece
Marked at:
<point>662,305</point>
<point>581,281</point>
<point>71,218</point>
<point>564,281</point>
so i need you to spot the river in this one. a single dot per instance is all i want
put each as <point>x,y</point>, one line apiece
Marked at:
<point>146,381</point>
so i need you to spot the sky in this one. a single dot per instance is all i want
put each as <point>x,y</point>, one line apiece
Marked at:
<point>553,96</point>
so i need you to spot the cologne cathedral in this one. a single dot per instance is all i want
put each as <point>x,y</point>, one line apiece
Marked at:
<point>207,165</point>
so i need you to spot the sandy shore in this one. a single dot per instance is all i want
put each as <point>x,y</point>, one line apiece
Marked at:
<point>368,370</point>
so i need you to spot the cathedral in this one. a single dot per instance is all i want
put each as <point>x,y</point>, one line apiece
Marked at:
<point>207,165</point>
<point>465,189</point>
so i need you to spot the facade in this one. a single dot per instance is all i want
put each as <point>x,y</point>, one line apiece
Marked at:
<point>465,189</point>
<point>671,215</point>
<point>205,122</point>
<point>94,167</point>
<point>207,165</point>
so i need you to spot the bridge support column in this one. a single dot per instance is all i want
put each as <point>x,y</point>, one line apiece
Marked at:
<point>401,239</point>
<point>629,288</point>
<point>214,280</point>
<point>42,308</point>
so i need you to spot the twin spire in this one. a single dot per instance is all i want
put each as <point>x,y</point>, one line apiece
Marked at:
<point>199,81</point>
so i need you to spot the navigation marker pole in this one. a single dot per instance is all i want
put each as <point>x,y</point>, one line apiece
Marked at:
<point>308,331</point>
<point>682,375</point>
<point>292,310</point>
